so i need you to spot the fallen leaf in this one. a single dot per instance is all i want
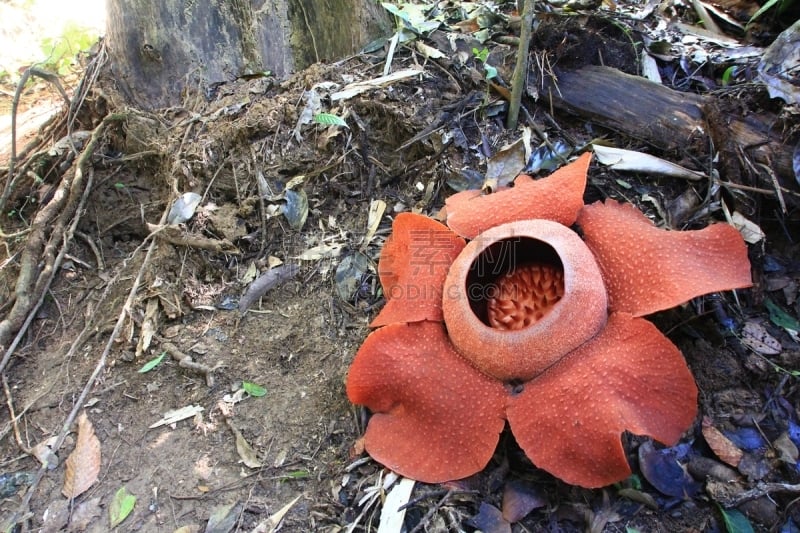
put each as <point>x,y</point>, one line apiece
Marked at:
<point>429,51</point>
<point>354,89</point>
<point>223,518</point>
<point>152,363</point>
<point>632,161</point>
<point>504,166</point>
<point>393,512</point>
<point>782,319</point>
<point>639,496</point>
<point>183,208</point>
<point>83,464</point>
<point>321,251</point>
<point>662,469</point>
<point>193,528</point>
<point>519,499</point>
<point>120,507</point>
<point>176,415</point>
<point>56,516</point>
<point>246,452</point>
<point>296,208</point>
<point>44,453</point>
<point>253,389</point>
<point>350,275</point>
<point>787,451</point>
<point>720,444</point>
<point>759,340</point>
<point>751,232</point>
<point>271,524</point>
<point>747,438</point>
<point>376,210</point>
<point>735,521</point>
<point>490,520</point>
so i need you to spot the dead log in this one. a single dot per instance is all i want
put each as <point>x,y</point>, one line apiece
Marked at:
<point>674,121</point>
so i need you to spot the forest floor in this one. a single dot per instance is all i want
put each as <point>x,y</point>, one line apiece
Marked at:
<point>267,435</point>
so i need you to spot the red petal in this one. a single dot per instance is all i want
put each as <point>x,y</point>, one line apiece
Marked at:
<point>630,377</point>
<point>557,197</point>
<point>414,263</point>
<point>647,269</point>
<point>435,418</point>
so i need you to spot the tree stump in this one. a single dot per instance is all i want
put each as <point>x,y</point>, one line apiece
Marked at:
<point>159,49</point>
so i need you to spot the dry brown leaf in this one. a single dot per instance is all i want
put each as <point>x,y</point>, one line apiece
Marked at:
<point>720,444</point>
<point>83,464</point>
<point>246,452</point>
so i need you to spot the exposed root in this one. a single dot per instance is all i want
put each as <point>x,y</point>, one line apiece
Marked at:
<point>52,230</point>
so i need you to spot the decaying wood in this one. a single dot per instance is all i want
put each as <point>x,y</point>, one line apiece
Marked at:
<point>672,120</point>
<point>174,235</point>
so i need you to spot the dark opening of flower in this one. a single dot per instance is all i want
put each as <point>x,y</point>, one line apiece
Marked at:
<point>532,324</point>
<point>514,283</point>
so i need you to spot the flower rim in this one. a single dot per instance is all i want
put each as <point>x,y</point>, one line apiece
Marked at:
<point>578,317</point>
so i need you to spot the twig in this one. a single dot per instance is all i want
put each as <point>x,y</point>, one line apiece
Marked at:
<point>432,511</point>
<point>762,489</point>
<point>101,265</point>
<point>186,361</point>
<point>174,235</point>
<point>521,68</point>
<point>13,416</point>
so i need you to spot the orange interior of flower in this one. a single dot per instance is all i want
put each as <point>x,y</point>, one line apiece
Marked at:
<point>525,295</point>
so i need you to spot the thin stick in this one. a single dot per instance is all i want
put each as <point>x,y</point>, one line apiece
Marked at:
<point>10,404</point>
<point>521,68</point>
<point>438,505</point>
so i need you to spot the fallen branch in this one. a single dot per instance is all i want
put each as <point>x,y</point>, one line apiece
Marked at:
<point>174,235</point>
<point>186,361</point>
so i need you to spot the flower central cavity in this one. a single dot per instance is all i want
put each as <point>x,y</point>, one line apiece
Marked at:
<point>524,296</point>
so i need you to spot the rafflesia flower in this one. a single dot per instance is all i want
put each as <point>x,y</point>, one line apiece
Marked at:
<point>534,320</point>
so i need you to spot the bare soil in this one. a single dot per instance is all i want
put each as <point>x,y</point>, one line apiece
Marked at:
<point>298,340</point>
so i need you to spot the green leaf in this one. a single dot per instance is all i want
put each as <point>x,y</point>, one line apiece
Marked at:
<point>119,185</point>
<point>152,363</point>
<point>121,506</point>
<point>491,72</point>
<point>254,390</point>
<point>735,522</point>
<point>329,119</point>
<point>481,55</point>
<point>394,10</point>
<point>763,9</point>
<point>727,76</point>
<point>781,318</point>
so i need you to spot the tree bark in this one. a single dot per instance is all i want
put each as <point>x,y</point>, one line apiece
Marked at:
<point>672,120</point>
<point>159,49</point>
